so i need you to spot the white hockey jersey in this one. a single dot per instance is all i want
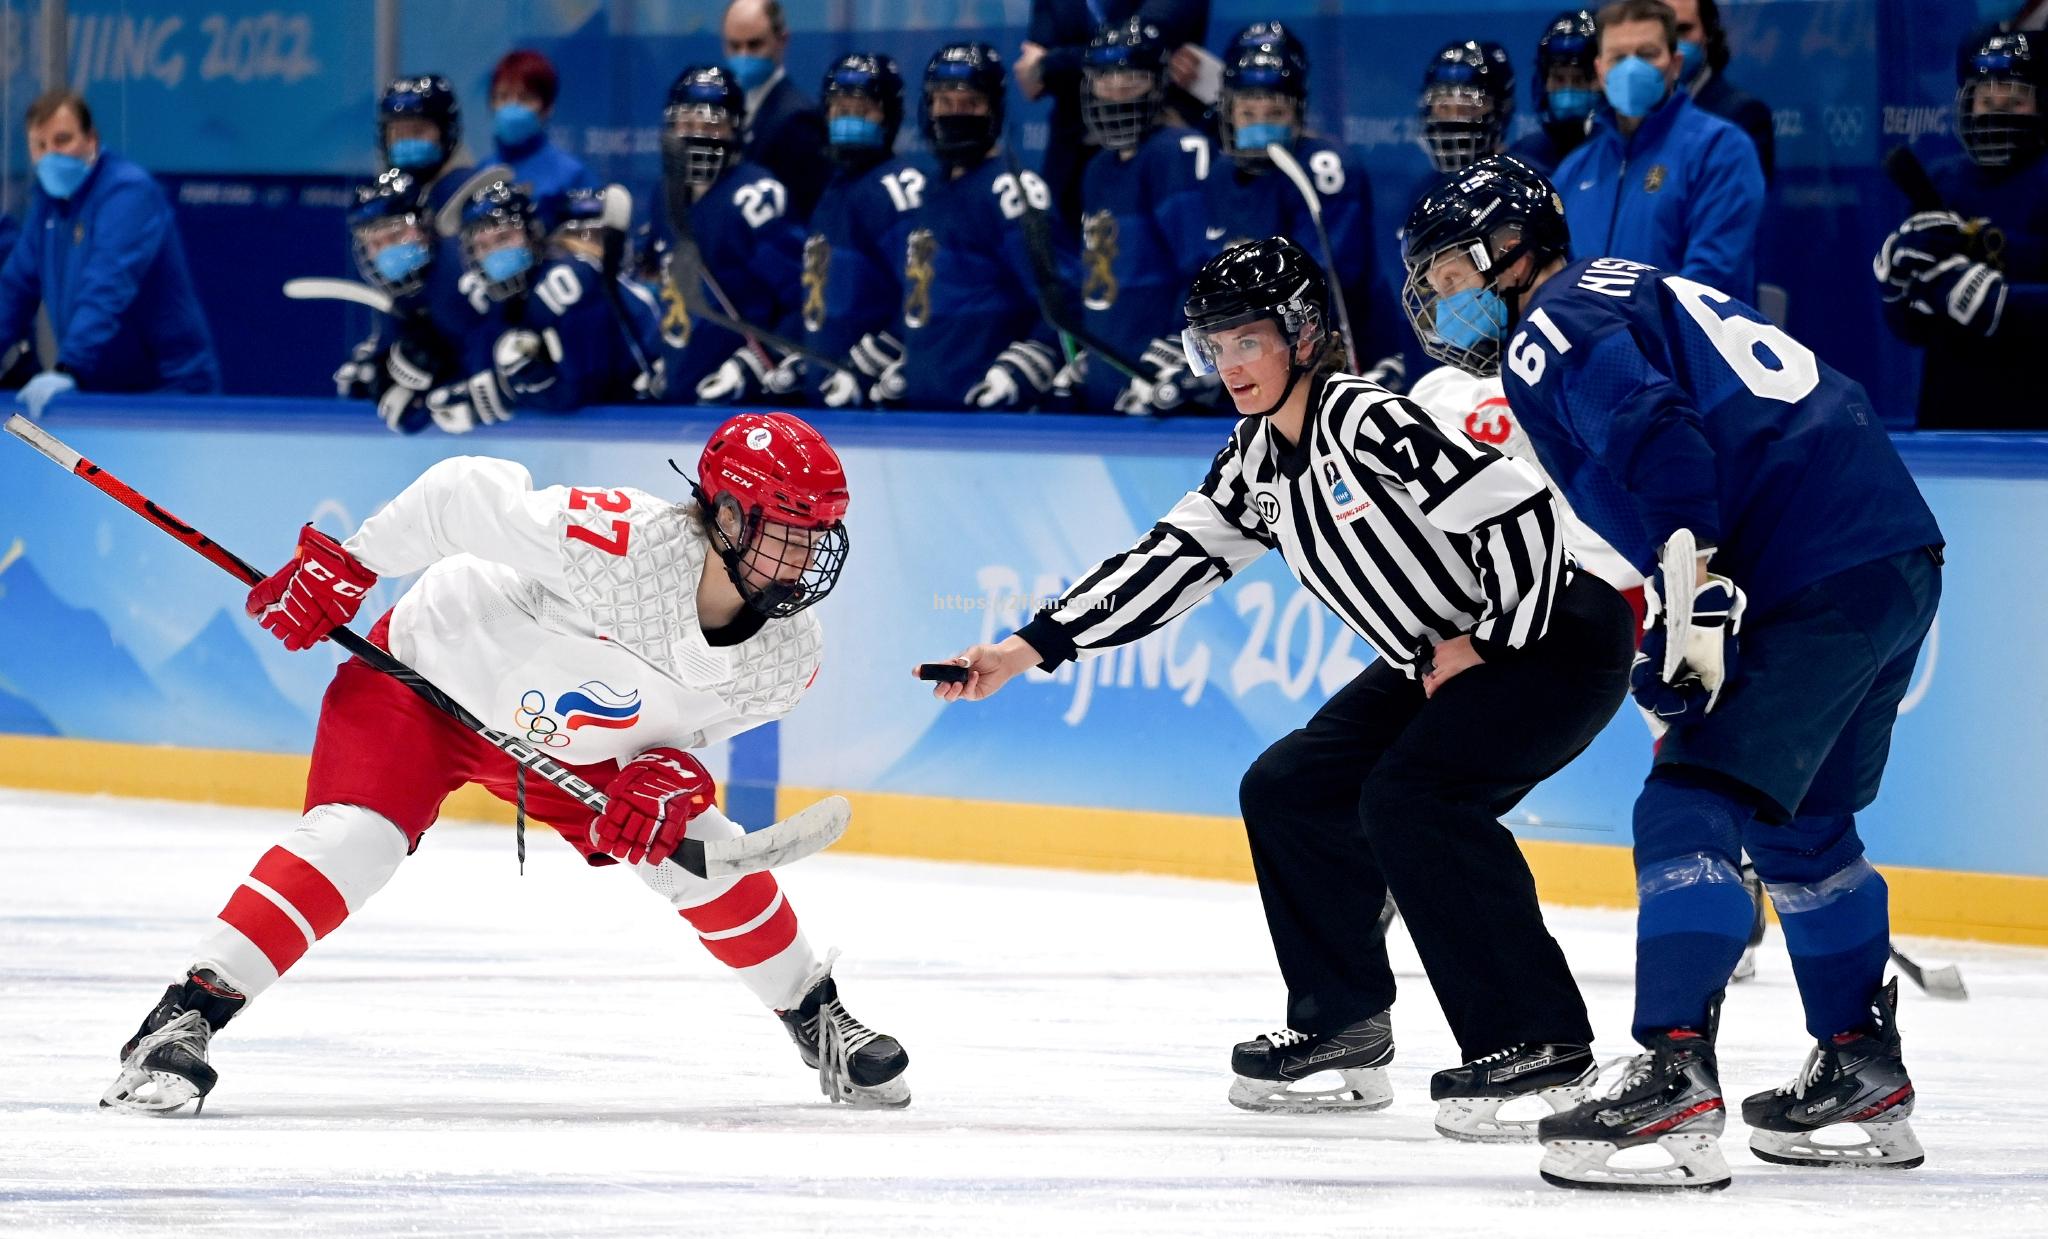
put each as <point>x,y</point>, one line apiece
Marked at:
<point>568,616</point>
<point>1477,408</point>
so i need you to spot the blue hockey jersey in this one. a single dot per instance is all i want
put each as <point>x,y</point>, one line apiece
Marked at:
<point>588,354</point>
<point>1658,404</point>
<point>1145,231</point>
<point>754,251</point>
<point>1252,208</point>
<point>968,286</point>
<point>853,259</point>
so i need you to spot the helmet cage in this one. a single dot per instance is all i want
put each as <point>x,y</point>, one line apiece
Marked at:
<point>478,232</point>
<point>370,236</point>
<point>1456,143</point>
<point>1999,138</point>
<point>1120,124</point>
<point>1424,305</point>
<point>764,549</point>
<point>1253,159</point>
<point>694,158</point>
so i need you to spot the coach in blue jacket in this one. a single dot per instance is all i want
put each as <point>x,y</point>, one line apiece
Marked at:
<point>100,250</point>
<point>1659,180</point>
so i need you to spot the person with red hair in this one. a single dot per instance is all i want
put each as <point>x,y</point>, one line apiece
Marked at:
<point>523,91</point>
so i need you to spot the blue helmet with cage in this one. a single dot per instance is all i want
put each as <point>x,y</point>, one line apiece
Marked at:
<point>419,97</point>
<point>1570,44</point>
<point>501,238</point>
<point>390,234</point>
<point>701,123</point>
<point>1468,98</point>
<point>876,80</point>
<point>1123,83</point>
<point>2000,77</point>
<point>961,139</point>
<point>1459,245</point>
<point>1257,77</point>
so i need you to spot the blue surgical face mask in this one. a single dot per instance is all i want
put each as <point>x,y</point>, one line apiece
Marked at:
<point>1259,137</point>
<point>514,123</point>
<point>396,262</point>
<point>61,175</point>
<point>855,131</point>
<point>750,71</point>
<point>1695,59</point>
<point>1635,86</point>
<point>1470,316</point>
<point>412,153</point>
<point>1572,104</point>
<point>502,266</point>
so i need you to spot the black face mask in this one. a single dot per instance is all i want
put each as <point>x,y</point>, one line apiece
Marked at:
<point>960,140</point>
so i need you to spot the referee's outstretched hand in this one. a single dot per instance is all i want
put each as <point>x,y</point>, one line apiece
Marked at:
<point>989,667</point>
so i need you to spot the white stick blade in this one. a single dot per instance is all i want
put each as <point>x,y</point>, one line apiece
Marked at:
<point>43,441</point>
<point>807,831</point>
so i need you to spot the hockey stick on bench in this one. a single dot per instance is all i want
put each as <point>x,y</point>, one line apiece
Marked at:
<point>809,830</point>
<point>1290,167</point>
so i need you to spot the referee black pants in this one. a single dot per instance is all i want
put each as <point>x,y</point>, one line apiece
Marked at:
<point>1387,790</point>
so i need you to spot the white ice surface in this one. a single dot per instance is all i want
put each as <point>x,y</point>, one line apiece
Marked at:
<point>478,1053</point>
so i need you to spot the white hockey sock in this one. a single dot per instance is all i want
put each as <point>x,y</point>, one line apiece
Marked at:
<point>746,923</point>
<point>303,888</point>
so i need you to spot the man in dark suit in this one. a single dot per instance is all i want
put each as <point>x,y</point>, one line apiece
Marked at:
<point>1050,63</point>
<point>784,131</point>
<point>1705,75</point>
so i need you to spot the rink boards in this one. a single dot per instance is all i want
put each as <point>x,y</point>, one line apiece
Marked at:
<point>126,667</point>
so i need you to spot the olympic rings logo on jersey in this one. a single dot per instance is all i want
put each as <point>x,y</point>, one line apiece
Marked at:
<point>592,703</point>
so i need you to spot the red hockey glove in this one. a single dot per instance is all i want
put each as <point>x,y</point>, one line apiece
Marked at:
<point>321,589</point>
<point>649,804</point>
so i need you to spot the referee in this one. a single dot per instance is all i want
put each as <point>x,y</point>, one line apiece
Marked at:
<point>1499,662</point>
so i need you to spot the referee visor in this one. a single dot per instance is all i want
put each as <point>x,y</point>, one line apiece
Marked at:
<point>1233,342</point>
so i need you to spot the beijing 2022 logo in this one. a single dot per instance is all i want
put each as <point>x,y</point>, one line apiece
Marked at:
<point>592,703</point>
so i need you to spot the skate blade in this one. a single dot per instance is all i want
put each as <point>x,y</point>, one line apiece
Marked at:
<point>1364,1089</point>
<point>150,1092</point>
<point>889,1095</point>
<point>1745,968</point>
<point>1477,1120</point>
<point>1885,1146</point>
<point>1586,1165</point>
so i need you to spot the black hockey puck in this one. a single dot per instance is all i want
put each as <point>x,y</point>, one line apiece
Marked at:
<point>944,673</point>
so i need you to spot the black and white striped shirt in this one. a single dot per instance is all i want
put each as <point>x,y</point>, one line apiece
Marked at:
<point>1410,535</point>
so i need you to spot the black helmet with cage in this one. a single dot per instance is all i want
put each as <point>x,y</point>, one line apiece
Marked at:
<point>1469,231</point>
<point>1467,102</point>
<point>2000,78</point>
<point>701,124</point>
<point>1123,83</point>
<point>1273,280</point>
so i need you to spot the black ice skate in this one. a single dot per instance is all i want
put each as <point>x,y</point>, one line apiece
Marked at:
<point>855,1064</point>
<point>1855,1082</point>
<point>1469,1099</point>
<point>1268,1065</point>
<point>1669,1097</point>
<point>164,1065</point>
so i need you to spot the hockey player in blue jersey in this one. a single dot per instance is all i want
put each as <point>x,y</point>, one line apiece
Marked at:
<point>1264,102</point>
<point>1467,103</point>
<point>1566,87</point>
<point>419,131</point>
<point>1756,489</point>
<point>557,328</point>
<point>1145,229</point>
<point>972,333</point>
<point>1970,282</point>
<point>739,222</point>
<point>410,351</point>
<point>853,258</point>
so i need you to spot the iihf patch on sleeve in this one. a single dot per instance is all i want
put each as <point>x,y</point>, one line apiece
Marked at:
<point>1345,504</point>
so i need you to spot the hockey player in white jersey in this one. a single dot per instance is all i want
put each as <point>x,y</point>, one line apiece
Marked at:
<point>612,628</point>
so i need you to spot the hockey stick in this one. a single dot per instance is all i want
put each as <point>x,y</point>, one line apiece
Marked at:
<point>802,833</point>
<point>618,217</point>
<point>1052,294</point>
<point>1290,167</point>
<point>320,288</point>
<point>448,220</point>
<point>1944,981</point>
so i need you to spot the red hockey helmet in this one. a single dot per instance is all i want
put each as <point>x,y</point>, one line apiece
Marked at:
<point>785,489</point>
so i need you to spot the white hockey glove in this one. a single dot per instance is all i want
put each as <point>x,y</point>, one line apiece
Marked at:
<point>744,376</point>
<point>1915,247</point>
<point>874,353</point>
<point>653,381</point>
<point>785,377</point>
<point>463,406</point>
<point>840,390</point>
<point>356,378</point>
<point>1019,375</point>
<point>1689,650</point>
<point>1070,379</point>
<point>1167,386</point>
<point>1970,294</point>
<point>890,387</point>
